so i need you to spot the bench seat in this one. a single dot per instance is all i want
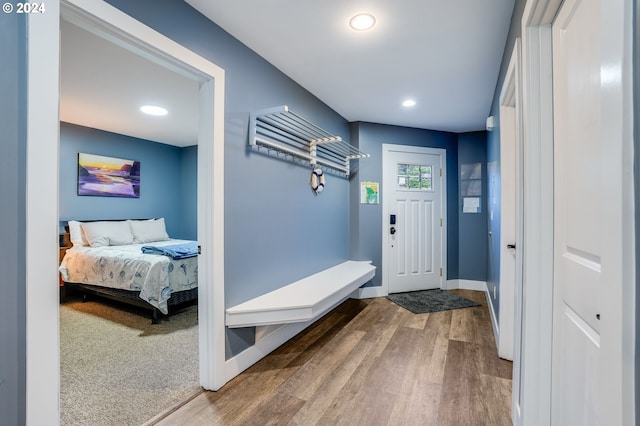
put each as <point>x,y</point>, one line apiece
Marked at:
<point>303,300</point>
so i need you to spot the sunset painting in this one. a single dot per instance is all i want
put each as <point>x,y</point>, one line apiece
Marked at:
<point>108,176</point>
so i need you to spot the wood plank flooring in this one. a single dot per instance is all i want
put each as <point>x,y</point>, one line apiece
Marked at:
<point>370,362</point>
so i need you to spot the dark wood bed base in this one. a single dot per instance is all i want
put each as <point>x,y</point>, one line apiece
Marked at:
<point>132,297</point>
<point>185,297</point>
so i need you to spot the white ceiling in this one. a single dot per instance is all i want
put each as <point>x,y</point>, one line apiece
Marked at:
<point>103,86</point>
<point>444,54</point>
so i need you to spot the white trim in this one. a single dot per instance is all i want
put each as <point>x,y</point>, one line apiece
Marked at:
<point>510,279</point>
<point>465,285</point>
<point>477,286</point>
<point>537,95</point>
<point>378,291</point>
<point>494,319</point>
<point>110,23</point>
<point>211,331</point>
<point>268,339</point>
<point>369,292</point>
<point>42,308</point>
<point>42,394</point>
<point>618,362</point>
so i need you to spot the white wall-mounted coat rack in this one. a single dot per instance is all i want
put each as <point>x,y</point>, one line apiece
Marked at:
<point>279,129</point>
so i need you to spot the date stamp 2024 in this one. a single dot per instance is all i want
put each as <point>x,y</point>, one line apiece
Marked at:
<point>23,8</point>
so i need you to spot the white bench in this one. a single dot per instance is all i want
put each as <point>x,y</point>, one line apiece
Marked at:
<point>303,300</point>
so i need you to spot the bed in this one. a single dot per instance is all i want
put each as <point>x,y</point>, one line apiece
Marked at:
<point>132,261</point>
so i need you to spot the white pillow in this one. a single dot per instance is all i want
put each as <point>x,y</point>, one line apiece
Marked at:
<point>76,235</point>
<point>148,231</point>
<point>106,233</point>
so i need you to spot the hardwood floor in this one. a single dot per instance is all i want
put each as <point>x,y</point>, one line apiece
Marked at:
<point>370,362</point>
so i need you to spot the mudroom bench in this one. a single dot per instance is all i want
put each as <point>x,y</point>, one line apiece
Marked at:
<point>303,300</point>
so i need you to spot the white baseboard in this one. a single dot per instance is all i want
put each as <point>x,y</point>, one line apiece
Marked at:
<point>478,286</point>
<point>270,339</point>
<point>369,292</point>
<point>494,319</point>
<point>465,285</point>
<point>379,291</point>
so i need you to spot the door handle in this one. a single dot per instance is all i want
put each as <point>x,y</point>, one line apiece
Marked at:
<point>511,246</point>
<point>392,230</point>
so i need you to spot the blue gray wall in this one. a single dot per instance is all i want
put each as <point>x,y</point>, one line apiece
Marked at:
<point>473,227</point>
<point>466,233</point>
<point>163,171</point>
<point>276,230</point>
<point>13,213</point>
<point>189,185</point>
<point>366,219</point>
<point>493,155</point>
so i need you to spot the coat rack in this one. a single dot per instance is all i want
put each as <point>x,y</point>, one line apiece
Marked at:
<point>286,133</point>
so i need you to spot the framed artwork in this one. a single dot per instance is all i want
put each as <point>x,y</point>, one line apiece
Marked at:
<point>369,192</point>
<point>108,176</point>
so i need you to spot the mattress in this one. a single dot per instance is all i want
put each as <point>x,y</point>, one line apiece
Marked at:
<point>125,267</point>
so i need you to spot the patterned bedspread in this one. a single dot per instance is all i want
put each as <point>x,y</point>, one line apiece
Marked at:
<point>126,267</point>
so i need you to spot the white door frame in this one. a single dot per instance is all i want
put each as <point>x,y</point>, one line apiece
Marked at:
<point>384,289</point>
<point>510,203</point>
<point>42,320</point>
<point>538,203</point>
<point>537,92</point>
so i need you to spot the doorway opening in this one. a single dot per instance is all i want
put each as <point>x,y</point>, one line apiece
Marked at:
<point>43,149</point>
<point>102,86</point>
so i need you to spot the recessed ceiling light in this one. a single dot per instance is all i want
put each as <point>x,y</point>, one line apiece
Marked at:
<point>362,22</point>
<point>409,103</point>
<point>153,110</point>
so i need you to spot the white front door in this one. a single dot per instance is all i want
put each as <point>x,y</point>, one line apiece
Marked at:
<point>414,219</point>
<point>587,362</point>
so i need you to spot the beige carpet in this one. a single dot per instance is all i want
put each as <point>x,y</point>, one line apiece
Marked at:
<point>116,368</point>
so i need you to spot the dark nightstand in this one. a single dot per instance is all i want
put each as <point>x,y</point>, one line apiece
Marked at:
<point>64,239</point>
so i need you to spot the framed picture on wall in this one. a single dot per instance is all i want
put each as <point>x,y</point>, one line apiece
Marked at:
<point>108,176</point>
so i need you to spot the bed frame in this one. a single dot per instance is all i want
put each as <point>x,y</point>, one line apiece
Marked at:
<point>177,300</point>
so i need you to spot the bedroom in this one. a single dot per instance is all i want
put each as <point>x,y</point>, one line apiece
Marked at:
<point>95,75</point>
<point>167,191</point>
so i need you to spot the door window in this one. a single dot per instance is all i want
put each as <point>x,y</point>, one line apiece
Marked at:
<point>414,177</point>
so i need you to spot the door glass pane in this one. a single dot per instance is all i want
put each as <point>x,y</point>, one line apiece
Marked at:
<point>402,182</point>
<point>416,177</point>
